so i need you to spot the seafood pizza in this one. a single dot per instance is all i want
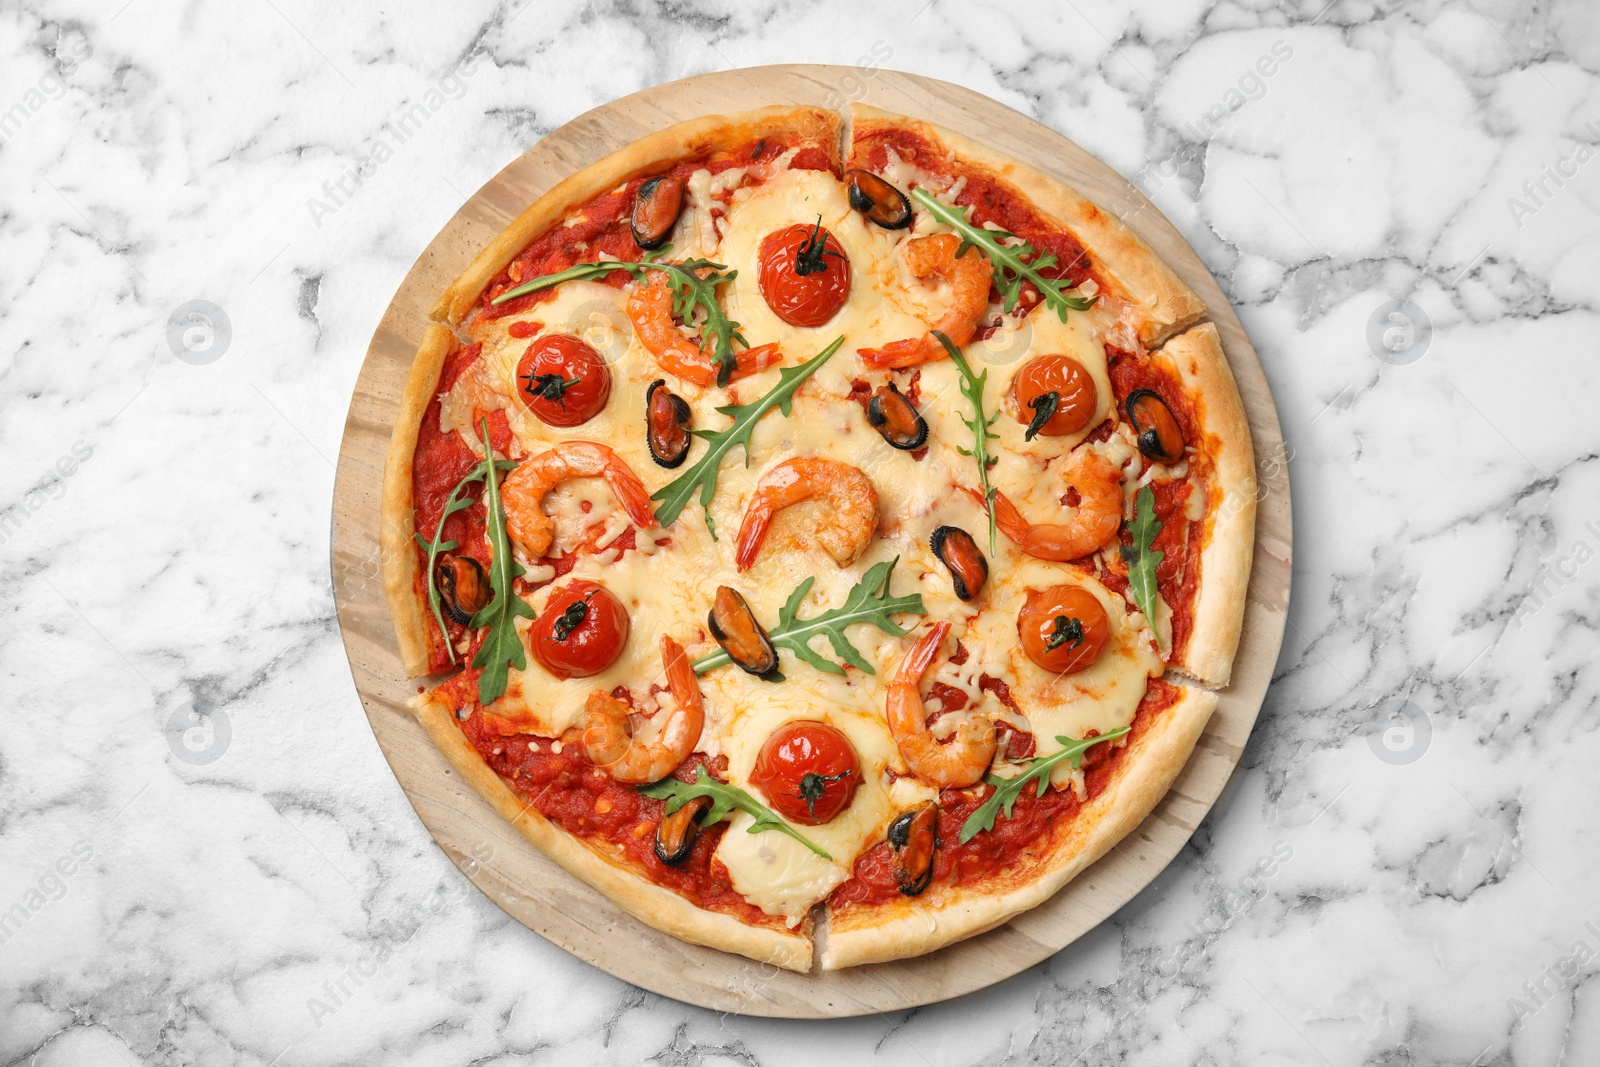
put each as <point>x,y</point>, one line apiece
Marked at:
<point>818,529</point>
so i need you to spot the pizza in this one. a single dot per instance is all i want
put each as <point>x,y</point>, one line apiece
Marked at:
<point>820,533</point>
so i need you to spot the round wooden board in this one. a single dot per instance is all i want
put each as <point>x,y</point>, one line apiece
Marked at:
<point>552,902</point>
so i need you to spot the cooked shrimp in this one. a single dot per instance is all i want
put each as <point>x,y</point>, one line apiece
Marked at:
<point>523,491</point>
<point>650,311</point>
<point>625,757</point>
<point>1095,520</point>
<point>970,276</point>
<point>964,757</point>
<point>843,534</point>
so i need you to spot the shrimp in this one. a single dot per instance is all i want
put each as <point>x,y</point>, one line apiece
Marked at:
<point>843,535</point>
<point>970,275</point>
<point>524,489</point>
<point>962,759</point>
<point>650,311</point>
<point>1095,520</point>
<point>608,743</point>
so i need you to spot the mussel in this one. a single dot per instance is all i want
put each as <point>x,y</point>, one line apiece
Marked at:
<point>666,424</point>
<point>677,833</point>
<point>1159,435</point>
<point>734,626</point>
<point>961,556</point>
<point>892,415</point>
<point>463,586</point>
<point>914,837</point>
<point>655,210</point>
<point>878,200</point>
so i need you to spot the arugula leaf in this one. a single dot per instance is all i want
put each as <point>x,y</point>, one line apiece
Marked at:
<point>1007,790</point>
<point>694,297</point>
<point>1013,264</point>
<point>702,476</point>
<point>502,646</point>
<point>724,799</point>
<point>1142,559</point>
<point>453,503</point>
<point>972,386</point>
<point>868,602</point>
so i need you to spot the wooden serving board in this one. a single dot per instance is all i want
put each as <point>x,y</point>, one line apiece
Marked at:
<point>546,898</point>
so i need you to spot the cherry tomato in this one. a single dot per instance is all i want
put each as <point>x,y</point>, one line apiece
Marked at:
<point>808,771</point>
<point>1064,376</point>
<point>581,630</point>
<point>563,381</point>
<point>804,274</point>
<point>1063,628</point>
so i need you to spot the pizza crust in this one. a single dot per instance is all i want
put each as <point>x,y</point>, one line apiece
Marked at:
<point>913,926</point>
<point>1228,543</point>
<point>655,152</point>
<point>397,545</point>
<point>1164,304</point>
<point>649,903</point>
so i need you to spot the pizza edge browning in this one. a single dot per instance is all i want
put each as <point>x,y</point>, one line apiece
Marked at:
<point>1228,546</point>
<point>1166,304</point>
<point>905,927</point>
<point>397,526</point>
<point>654,905</point>
<point>684,140</point>
<point>1168,308</point>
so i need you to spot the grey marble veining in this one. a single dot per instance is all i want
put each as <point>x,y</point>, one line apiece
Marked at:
<point>1401,199</point>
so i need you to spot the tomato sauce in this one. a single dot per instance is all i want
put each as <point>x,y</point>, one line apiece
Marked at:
<point>581,798</point>
<point>601,226</point>
<point>988,200</point>
<point>1180,541</point>
<point>1010,846</point>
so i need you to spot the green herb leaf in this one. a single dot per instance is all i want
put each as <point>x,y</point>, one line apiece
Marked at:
<point>502,647</point>
<point>724,800</point>
<point>1007,790</point>
<point>808,256</point>
<point>549,387</point>
<point>972,386</point>
<point>1142,560</point>
<point>694,297</point>
<point>867,602</point>
<point>702,476</point>
<point>1044,408</point>
<point>1013,264</point>
<point>1064,629</point>
<point>453,503</point>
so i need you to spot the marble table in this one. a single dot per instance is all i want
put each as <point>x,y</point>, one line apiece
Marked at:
<point>203,856</point>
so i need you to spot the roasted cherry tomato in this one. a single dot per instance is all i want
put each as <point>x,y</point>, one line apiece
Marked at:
<point>581,630</point>
<point>563,381</point>
<point>1063,628</point>
<point>804,274</point>
<point>808,771</point>
<point>1074,396</point>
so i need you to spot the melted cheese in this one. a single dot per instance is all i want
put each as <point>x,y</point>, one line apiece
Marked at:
<point>668,587</point>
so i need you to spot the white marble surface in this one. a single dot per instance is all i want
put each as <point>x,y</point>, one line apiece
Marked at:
<point>165,532</point>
